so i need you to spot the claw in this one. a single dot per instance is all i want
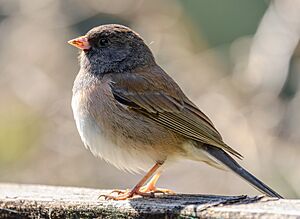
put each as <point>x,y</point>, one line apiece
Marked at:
<point>151,188</point>
<point>127,194</point>
<point>154,190</point>
<point>110,196</point>
<point>122,195</point>
<point>146,191</point>
<point>118,191</point>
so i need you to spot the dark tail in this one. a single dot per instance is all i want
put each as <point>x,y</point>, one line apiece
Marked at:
<point>228,161</point>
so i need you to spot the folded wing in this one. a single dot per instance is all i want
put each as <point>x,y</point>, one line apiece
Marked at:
<point>160,99</point>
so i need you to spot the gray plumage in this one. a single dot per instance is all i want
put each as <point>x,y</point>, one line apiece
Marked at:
<point>132,114</point>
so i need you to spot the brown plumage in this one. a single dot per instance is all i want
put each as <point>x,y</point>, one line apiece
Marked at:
<point>132,114</point>
<point>154,94</point>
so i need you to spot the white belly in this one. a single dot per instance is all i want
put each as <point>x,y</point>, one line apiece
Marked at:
<point>96,140</point>
<point>122,144</point>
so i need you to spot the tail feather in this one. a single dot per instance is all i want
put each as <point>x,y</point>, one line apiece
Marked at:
<point>228,161</point>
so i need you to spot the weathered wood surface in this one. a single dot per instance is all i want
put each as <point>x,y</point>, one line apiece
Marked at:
<point>36,201</point>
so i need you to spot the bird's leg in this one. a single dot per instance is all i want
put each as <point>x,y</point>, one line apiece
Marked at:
<point>152,189</point>
<point>123,195</point>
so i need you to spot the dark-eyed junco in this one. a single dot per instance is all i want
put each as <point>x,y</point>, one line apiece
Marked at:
<point>132,114</point>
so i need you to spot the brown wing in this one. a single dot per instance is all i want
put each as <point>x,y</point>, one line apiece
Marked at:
<point>161,99</point>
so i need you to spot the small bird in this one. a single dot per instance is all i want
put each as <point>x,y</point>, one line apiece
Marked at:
<point>132,114</point>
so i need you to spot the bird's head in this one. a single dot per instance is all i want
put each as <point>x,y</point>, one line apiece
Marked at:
<point>112,48</point>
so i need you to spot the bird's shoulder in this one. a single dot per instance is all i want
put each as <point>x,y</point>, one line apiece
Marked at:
<point>147,79</point>
<point>154,84</point>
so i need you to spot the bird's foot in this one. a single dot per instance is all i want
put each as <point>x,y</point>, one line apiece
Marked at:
<point>150,189</point>
<point>125,194</point>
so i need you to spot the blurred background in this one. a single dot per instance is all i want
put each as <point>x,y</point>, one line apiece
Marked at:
<point>238,60</point>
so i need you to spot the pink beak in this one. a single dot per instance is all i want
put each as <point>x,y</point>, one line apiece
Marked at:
<point>80,42</point>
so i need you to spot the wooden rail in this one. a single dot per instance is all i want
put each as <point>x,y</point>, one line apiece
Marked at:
<point>37,201</point>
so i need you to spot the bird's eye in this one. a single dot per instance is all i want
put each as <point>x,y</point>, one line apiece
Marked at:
<point>103,42</point>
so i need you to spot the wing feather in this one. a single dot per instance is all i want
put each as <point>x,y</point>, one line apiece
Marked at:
<point>167,106</point>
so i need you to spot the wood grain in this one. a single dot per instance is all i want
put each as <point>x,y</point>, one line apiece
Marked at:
<point>38,201</point>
